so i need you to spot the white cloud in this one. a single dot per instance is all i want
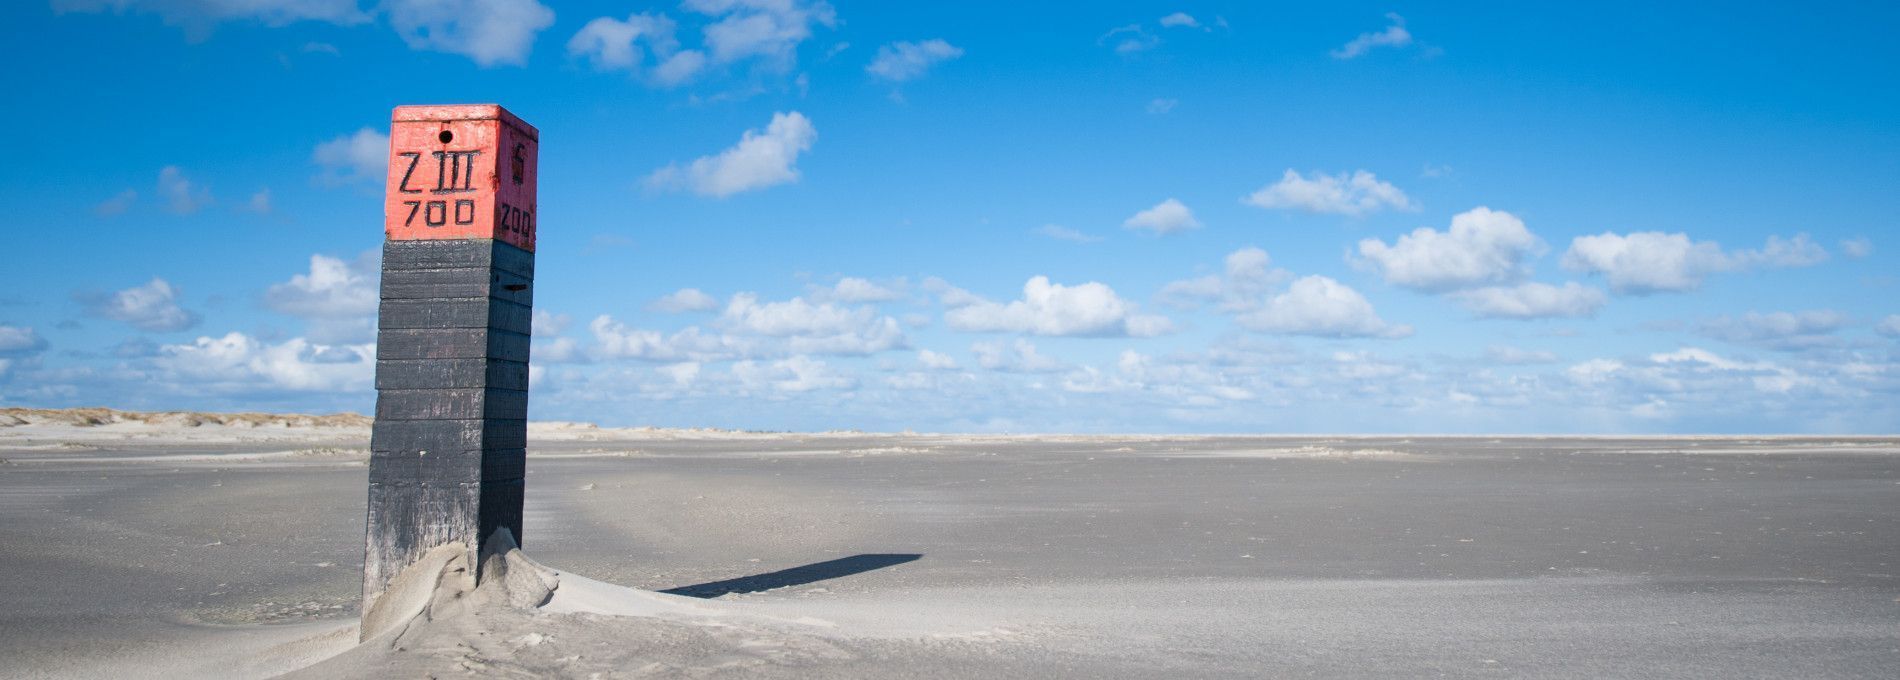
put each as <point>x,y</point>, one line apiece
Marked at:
<point>545,322</point>
<point>814,328</point>
<point>240,363</point>
<point>1394,35</point>
<point>760,160</point>
<point>1889,326</point>
<point>1129,39</point>
<point>791,317</point>
<point>1246,277</point>
<point>684,300</point>
<point>614,340</point>
<point>1780,252</point>
<point>1787,331</point>
<point>902,61</point>
<point>1062,233</point>
<point>1166,217</point>
<point>362,156</point>
<point>1190,293</point>
<point>1664,384</point>
<point>766,29</point>
<point>1019,356</point>
<point>260,202</point>
<point>1857,247</point>
<point>151,307</point>
<point>794,375</point>
<point>1532,301</point>
<point>949,295</point>
<point>181,195</point>
<point>612,44</point>
<point>1180,20</point>
<point>117,205</point>
<point>337,298</point>
<point>1483,246</point>
<point>765,32</point>
<point>936,361</point>
<point>1320,306</point>
<point>680,67</point>
<point>332,288</point>
<point>1357,194</point>
<point>1650,261</point>
<point>854,290</point>
<point>197,18</point>
<point>1508,355</point>
<point>19,341</point>
<point>489,32</point>
<point>1089,309</point>
<point>1159,106</point>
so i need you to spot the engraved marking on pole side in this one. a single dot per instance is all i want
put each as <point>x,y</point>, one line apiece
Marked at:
<point>514,220</point>
<point>520,162</point>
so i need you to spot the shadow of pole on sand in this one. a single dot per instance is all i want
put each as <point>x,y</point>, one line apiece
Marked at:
<point>818,571</point>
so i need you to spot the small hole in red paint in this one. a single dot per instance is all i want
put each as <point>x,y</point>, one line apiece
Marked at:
<point>446,136</point>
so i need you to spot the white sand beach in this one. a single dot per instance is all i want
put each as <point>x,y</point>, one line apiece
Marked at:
<point>203,545</point>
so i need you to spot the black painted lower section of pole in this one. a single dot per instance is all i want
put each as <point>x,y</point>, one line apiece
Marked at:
<point>449,447</point>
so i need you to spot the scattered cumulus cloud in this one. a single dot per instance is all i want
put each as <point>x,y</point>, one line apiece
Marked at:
<point>1512,356</point>
<point>1857,247</point>
<point>903,61</point>
<point>814,328</point>
<point>490,32</point>
<point>616,340</point>
<point>182,196</point>
<point>1161,106</point>
<point>198,18</point>
<point>768,30</point>
<point>1785,331</point>
<point>1247,276</point>
<point>936,361</point>
<point>1647,262</point>
<point>361,156</point>
<point>764,34</point>
<point>1062,233</point>
<point>1394,35</point>
<point>1046,308</point>
<point>792,375</point>
<point>337,298</point>
<point>1180,20</point>
<point>759,160</point>
<point>1129,40</point>
<point>1319,306</point>
<point>1166,217</point>
<point>19,341</point>
<point>260,202</point>
<point>150,307</point>
<point>117,205</point>
<point>240,363</point>
<point>1483,246</point>
<point>684,300</point>
<point>851,289</point>
<point>615,44</point>
<point>1889,326</point>
<point>1532,301</point>
<point>1356,194</point>
<point>1018,356</point>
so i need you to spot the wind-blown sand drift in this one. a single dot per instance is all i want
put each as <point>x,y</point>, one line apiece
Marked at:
<point>193,545</point>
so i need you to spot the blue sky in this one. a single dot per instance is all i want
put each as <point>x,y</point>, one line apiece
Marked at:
<point>1179,217</point>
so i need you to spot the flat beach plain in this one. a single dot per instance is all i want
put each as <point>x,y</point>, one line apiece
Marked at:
<point>195,549</point>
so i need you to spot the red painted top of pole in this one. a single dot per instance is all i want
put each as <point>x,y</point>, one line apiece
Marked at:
<point>461,172</point>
